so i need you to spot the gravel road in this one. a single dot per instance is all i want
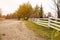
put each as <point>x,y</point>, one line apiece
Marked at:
<point>16,30</point>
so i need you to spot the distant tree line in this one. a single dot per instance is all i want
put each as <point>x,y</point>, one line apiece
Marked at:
<point>11,16</point>
<point>26,11</point>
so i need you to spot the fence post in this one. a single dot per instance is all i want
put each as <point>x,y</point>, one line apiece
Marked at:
<point>49,21</point>
<point>36,19</point>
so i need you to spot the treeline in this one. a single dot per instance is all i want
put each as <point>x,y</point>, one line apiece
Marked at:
<point>26,11</point>
<point>11,16</point>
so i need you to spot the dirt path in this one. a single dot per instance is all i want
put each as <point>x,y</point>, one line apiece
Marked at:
<point>16,30</point>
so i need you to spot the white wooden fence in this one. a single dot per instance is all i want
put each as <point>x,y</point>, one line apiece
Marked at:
<point>47,22</point>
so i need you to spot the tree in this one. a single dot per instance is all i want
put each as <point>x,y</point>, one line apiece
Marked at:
<point>57,6</point>
<point>36,12</point>
<point>24,11</point>
<point>0,13</point>
<point>7,16</point>
<point>44,16</point>
<point>41,12</point>
<point>49,15</point>
<point>14,16</point>
<point>11,16</point>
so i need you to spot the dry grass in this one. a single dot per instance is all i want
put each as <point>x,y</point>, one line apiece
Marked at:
<point>48,33</point>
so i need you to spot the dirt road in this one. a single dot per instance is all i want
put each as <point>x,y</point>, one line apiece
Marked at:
<point>16,30</point>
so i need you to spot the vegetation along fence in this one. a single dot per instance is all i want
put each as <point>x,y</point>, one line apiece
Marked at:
<point>47,22</point>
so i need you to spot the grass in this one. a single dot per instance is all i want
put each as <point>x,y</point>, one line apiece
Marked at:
<point>48,33</point>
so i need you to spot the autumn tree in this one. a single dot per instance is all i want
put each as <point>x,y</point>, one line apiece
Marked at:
<point>24,11</point>
<point>14,16</point>
<point>11,16</point>
<point>7,16</point>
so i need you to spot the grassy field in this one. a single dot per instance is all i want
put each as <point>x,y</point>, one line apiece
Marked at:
<point>49,33</point>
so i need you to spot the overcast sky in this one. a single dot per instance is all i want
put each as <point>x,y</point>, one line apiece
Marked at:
<point>9,6</point>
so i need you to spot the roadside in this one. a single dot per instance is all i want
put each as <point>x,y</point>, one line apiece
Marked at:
<point>48,33</point>
<point>29,34</point>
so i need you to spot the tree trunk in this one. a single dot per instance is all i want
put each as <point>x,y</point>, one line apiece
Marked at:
<point>58,14</point>
<point>58,11</point>
<point>18,18</point>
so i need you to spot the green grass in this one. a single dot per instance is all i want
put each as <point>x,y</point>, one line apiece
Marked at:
<point>48,33</point>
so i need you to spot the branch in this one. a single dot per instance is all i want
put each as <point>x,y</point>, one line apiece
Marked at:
<point>55,2</point>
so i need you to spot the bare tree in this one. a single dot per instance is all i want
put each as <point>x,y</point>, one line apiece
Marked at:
<point>57,6</point>
<point>49,15</point>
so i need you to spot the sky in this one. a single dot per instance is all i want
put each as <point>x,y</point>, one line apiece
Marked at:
<point>10,6</point>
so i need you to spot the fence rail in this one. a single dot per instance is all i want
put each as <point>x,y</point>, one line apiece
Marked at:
<point>47,22</point>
